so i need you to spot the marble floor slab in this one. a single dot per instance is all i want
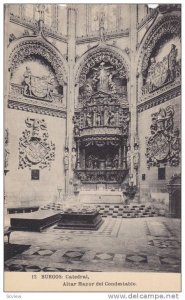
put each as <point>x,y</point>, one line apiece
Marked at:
<point>120,245</point>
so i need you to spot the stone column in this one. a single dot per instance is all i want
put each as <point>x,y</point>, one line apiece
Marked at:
<point>71,51</point>
<point>132,85</point>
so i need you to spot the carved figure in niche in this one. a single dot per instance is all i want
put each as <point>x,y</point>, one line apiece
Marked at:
<point>66,159</point>
<point>136,156</point>
<point>76,125</point>
<point>90,162</point>
<point>106,116</point>
<point>73,158</point>
<point>89,119</point>
<point>112,84</point>
<point>151,70</point>
<point>49,87</point>
<point>108,162</point>
<point>95,163</point>
<point>101,26</point>
<point>88,89</point>
<point>129,155</point>
<point>111,119</point>
<point>98,119</point>
<point>103,76</point>
<point>116,161</point>
<point>41,10</point>
<point>27,81</point>
<point>172,60</point>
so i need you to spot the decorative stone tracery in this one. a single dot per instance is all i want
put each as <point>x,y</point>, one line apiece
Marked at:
<point>163,146</point>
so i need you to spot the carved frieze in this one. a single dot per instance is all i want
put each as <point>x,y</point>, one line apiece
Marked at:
<point>31,105</point>
<point>159,96</point>
<point>163,146</point>
<point>35,149</point>
<point>101,176</point>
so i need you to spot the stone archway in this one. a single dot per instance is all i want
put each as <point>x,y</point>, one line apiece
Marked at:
<point>38,47</point>
<point>154,74</point>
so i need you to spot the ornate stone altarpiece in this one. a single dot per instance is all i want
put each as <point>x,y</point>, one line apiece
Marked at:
<point>102,118</point>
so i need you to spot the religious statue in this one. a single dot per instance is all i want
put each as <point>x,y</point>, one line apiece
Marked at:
<point>88,90</point>
<point>106,116</point>
<point>136,157</point>
<point>112,84</point>
<point>151,70</point>
<point>89,119</point>
<point>90,162</point>
<point>129,155</point>
<point>27,81</point>
<point>98,119</point>
<point>66,159</point>
<point>103,76</point>
<point>172,61</point>
<point>101,26</point>
<point>111,119</point>
<point>41,10</point>
<point>116,162</point>
<point>73,158</point>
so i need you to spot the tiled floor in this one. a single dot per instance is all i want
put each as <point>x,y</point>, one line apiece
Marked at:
<point>141,244</point>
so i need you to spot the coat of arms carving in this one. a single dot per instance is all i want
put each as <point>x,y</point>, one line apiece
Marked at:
<point>163,146</point>
<point>34,147</point>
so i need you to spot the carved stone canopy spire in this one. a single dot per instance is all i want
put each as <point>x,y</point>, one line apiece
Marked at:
<point>41,10</point>
<point>101,26</point>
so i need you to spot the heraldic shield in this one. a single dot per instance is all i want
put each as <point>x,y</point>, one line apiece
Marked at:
<point>160,146</point>
<point>159,73</point>
<point>39,86</point>
<point>36,152</point>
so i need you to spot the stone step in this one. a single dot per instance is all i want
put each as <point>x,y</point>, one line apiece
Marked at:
<point>117,210</point>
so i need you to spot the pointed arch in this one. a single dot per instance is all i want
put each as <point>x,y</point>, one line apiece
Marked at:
<point>37,46</point>
<point>165,26</point>
<point>104,52</point>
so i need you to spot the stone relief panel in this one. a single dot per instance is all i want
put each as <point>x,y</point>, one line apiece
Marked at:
<point>103,72</point>
<point>34,78</point>
<point>163,145</point>
<point>37,79</point>
<point>164,67</point>
<point>35,149</point>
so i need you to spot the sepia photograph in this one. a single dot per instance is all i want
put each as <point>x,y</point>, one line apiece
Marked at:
<point>92,144</point>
